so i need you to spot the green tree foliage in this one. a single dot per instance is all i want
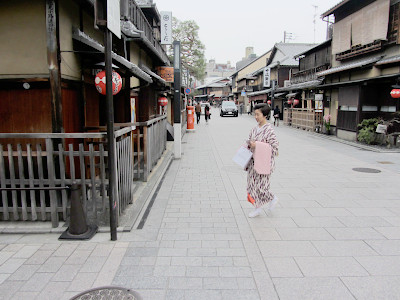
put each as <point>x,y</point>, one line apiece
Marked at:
<point>192,49</point>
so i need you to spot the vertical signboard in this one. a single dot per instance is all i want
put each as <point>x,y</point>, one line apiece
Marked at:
<point>113,17</point>
<point>166,27</point>
<point>267,77</point>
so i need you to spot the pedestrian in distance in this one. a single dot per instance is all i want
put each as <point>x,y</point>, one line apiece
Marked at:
<point>258,185</point>
<point>276,116</point>
<point>207,113</point>
<point>197,109</point>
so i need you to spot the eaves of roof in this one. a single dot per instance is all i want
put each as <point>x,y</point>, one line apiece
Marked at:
<point>349,66</point>
<point>333,9</point>
<point>299,86</point>
<point>131,67</point>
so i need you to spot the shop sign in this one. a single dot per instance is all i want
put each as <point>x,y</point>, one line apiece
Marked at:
<point>166,27</point>
<point>319,97</point>
<point>166,73</point>
<point>267,77</point>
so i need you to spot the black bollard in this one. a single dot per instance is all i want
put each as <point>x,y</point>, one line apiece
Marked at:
<point>78,229</point>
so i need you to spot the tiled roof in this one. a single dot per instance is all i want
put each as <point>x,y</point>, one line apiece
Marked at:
<point>388,60</point>
<point>299,86</point>
<point>290,50</point>
<point>351,65</point>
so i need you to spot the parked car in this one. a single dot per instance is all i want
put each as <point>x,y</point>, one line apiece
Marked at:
<point>228,108</point>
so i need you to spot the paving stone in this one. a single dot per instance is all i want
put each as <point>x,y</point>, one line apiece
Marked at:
<point>66,273</point>
<point>140,283</point>
<point>52,264</point>
<point>282,267</point>
<point>184,283</point>
<point>355,234</point>
<point>36,283</point>
<point>53,290</point>
<point>307,234</point>
<point>344,248</point>
<point>389,247</point>
<point>11,265</point>
<point>40,257</point>
<point>287,248</point>
<point>312,288</point>
<point>202,271</point>
<point>374,287</point>
<point>82,282</point>
<point>24,272</point>
<point>186,261</point>
<point>26,251</point>
<point>330,266</point>
<point>381,265</point>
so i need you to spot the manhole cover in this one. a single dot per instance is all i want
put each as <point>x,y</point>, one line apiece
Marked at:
<point>108,293</point>
<point>366,170</point>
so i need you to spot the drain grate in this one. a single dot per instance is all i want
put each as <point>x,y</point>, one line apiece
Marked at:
<point>366,170</point>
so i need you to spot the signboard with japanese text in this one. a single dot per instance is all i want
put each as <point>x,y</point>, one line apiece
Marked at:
<point>113,17</point>
<point>319,97</point>
<point>166,73</point>
<point>267,77</point>
<point>166,27</point>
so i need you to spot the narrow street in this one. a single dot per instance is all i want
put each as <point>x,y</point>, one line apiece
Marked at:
<point>333,235</point>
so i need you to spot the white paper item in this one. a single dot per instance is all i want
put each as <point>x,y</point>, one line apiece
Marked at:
<point>242,156</point>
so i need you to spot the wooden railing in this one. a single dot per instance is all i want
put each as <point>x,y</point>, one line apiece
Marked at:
<point>302,118</point>
<point>33,175</point>
<point>138,18</point>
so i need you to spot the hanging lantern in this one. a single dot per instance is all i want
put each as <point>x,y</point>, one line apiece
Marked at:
<point>295,101</point>
<point>395,93</point>
<point>269,102</point>
<point>162,101</point>
<point>100,82</point>
<point>289,101</point>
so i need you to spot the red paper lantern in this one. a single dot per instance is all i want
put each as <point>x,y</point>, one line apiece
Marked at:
<point>269,102</point>
<point>100,82</point>
<point>162,101</point>
<point>289,101</point>
<point>295,101</point>
<point>395,93</point>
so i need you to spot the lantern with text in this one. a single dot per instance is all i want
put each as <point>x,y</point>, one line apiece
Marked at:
<point>269,102</point>
<point>100,82</point>
<point>289,101</point>
<point>162,101</point>
<point>295,102</point>
<point>395,93</point>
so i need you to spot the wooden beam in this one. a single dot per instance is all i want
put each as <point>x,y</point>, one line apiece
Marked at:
<point>54,64</point>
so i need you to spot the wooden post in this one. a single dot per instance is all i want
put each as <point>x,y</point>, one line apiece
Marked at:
<point>53,61</point>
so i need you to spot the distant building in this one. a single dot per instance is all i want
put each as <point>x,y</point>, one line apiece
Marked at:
<point>214,70</point>
<point>249,56</point>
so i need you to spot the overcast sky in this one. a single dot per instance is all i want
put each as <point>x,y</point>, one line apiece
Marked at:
<point>227,27</point>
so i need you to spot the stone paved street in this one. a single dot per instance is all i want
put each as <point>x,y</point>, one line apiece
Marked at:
<point>334,234</point>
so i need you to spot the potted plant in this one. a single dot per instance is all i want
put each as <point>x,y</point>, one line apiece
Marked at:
<point>327,124</point>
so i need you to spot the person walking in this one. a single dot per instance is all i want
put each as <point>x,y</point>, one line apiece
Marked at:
<point>197,109</point>
<point>207,113</point>
<point>258,185</point>
<point>276,115</point>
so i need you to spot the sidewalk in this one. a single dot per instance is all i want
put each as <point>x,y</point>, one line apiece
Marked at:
<point>334,233</point>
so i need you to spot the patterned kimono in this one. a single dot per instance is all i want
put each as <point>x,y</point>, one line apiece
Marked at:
<point>258,184</point>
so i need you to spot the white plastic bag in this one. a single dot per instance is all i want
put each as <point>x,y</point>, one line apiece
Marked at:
<point>243,156</point>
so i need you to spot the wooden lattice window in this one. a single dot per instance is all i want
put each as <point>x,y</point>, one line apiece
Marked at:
<point>394,24</point>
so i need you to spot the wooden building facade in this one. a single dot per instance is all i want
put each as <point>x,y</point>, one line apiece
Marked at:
<point>51,53</point>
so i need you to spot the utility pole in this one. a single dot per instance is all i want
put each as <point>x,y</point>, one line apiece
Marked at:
<point>177,100</point>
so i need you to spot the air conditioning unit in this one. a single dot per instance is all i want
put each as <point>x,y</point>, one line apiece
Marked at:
<point>286,83</point>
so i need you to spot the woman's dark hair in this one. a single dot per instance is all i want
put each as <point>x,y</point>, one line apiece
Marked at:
<point>264,108</point>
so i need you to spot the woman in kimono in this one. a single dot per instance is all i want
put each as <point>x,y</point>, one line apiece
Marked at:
<point>258,185</point>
